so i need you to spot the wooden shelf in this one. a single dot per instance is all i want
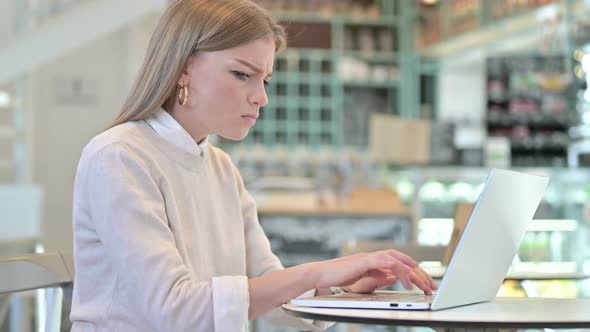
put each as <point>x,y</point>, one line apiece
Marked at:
<point>312,17</point>
<point>371,84</point>
<point>361,202</point>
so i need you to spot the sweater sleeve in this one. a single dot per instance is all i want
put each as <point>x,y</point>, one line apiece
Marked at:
<point>129,213</point>
<point>261,260</point>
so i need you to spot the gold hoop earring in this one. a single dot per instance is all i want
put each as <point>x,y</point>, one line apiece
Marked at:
<point>183,95</point>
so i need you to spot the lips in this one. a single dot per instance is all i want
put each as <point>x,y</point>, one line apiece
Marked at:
<point>250,119</point>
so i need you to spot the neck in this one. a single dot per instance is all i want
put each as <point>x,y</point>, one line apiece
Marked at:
<point>183,117</point>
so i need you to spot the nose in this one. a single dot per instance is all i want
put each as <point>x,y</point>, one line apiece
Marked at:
<point>259,97</point>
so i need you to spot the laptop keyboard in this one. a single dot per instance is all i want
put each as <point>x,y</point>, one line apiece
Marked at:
<point>410,297</point>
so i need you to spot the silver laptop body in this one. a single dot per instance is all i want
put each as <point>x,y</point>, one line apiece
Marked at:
<point>483,256</point>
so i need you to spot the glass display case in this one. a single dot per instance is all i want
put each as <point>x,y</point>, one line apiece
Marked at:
<point>528,102</point>
<point>557,239</point>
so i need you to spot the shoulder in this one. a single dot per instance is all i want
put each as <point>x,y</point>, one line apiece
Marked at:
<point>222,161</point>
<point>219,155</point>
<point>222,158</point>
<point>130,138</point>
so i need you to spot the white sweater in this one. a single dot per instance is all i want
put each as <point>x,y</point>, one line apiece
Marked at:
<point>165,235</point>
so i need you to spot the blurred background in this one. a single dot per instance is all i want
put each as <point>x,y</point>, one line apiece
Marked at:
<point>384,119</point>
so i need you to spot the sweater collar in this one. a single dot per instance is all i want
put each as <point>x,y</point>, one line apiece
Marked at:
<point>170,130</point>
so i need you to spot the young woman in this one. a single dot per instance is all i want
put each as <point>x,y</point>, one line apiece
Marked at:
<point>166,237</point>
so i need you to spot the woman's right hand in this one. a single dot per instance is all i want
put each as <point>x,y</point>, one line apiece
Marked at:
<point>368,271</point>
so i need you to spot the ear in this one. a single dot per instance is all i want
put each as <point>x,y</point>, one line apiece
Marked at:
<point>184,78</point>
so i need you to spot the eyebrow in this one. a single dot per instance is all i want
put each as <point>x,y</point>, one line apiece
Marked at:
<point>251,66</point>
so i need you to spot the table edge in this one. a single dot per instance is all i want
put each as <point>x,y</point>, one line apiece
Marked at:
<point>291,309</point>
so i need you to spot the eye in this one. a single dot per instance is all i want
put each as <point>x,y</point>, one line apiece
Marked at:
<point>240,75</point>
<point>266,82</point>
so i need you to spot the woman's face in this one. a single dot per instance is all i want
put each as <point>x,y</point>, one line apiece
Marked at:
<point>226,90</point>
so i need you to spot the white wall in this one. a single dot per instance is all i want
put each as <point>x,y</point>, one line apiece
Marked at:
<point>139,34</point>
<point>63,128</point>
<point>6,21</point>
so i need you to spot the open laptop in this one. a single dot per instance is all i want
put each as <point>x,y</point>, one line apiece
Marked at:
<point>485,251</point>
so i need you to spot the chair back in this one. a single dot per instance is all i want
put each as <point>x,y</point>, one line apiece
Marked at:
<point>50,271</point>
<point>20,273</point>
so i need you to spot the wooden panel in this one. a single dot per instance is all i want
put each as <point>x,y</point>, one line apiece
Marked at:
<point>462,214</point>
<point>309,35</point>
<point>360,202</point>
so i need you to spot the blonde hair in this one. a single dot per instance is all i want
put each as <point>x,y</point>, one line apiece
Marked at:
<point>187,28</point>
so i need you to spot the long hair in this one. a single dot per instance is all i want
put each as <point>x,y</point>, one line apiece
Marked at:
<point>186,28</point>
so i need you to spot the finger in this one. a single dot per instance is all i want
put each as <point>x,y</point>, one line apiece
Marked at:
<point>433,284</point>
<point>401,257</point>
<point>403,273</point>
<point>388,281</point>
<point>376,279</point>
<point>376,261</point>
<point>406,282</point>
<point>421,282</point>
<point>426,277</point>
<point>424,281</point>
<point>396,267</point>
<point>381,274</point>
<point>382,280</point>
<point>389,260</point>
<point>378,273</point>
